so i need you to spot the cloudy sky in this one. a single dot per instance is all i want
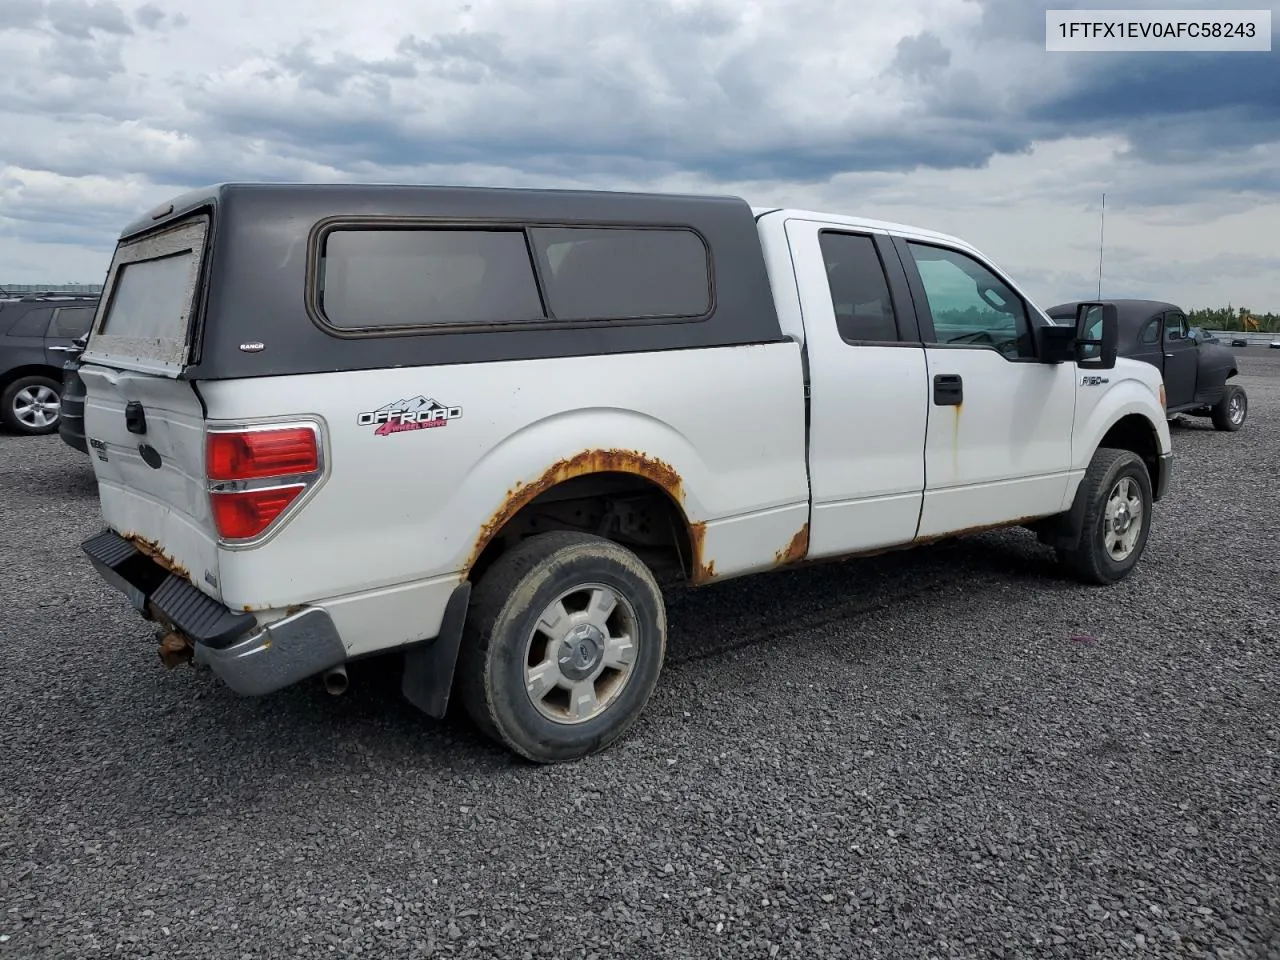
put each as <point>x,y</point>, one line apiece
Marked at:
<point>948,114</point>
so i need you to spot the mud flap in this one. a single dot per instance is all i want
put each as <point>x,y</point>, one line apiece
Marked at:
<point>1063,531</point>
<point>429,666</point>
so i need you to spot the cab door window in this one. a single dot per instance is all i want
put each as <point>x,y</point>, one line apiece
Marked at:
<point>859,291</point>
<point>970,305</point>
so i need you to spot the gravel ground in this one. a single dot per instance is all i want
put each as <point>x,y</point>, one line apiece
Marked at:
<point>915,757</point>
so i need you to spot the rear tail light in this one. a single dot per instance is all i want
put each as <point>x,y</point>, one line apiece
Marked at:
<point>257,474</point>
<point>258,454</point>
<point>244,515</point>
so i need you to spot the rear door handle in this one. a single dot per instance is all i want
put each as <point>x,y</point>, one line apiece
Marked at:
<point>65,349</point>
<point>948,390</point>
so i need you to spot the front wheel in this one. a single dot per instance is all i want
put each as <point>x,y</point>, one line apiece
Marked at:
<point>31,405</point>
<point>563,646</point>
<point>1117,518</point>
<point>1229,413</point>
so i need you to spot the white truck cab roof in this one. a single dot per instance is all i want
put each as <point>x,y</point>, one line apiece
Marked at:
<point>864,223</point>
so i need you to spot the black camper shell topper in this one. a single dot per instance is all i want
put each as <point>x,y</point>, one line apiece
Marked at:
<point>267,251</point>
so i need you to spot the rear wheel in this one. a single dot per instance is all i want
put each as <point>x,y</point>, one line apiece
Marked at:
<point>1229,413</point>
<point>1117,518</point>
<point>31,405</point>
<point>563,646</point>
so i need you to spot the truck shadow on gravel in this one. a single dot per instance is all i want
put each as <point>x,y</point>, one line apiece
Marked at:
<point>788,608</point>
<point>306,736</point>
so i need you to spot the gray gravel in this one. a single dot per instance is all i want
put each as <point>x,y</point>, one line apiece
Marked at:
<point>912,758</point>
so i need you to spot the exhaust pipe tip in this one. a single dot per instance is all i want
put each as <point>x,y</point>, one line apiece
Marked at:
<point>335,680</point>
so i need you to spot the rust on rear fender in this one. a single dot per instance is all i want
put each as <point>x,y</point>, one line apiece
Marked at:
<point>584,464</point>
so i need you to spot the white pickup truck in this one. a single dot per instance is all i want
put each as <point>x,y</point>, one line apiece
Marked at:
<point>479,426</point>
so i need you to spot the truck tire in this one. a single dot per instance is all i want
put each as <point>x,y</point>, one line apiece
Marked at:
<point>562,647</point>
<point>1117,518</point>
<point>1229,413</point>
<point>31,404</point>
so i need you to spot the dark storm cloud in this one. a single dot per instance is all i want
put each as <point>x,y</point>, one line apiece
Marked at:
<point>1178,107</point>
<point>21,14</point>
<point>922,56</point>
<point>80,60</point>
<point>80,18</point>
<point>631,93</point>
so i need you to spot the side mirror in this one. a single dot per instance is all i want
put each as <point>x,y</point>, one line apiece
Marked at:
<point>1097,335</point>
<point>1055,344</point>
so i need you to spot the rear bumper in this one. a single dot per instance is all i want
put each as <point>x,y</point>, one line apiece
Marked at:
<point>278,655</point>
<point>252,659</point>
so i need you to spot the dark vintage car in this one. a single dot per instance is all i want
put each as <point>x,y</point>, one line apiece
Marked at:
<point>1197,369</point>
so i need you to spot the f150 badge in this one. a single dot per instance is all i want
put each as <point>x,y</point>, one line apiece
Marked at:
<point>417,413</point>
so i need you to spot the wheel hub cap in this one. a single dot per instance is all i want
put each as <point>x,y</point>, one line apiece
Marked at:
<point>1123,519</point>
<point>581,652</point>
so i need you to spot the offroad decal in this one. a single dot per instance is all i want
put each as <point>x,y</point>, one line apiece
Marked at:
<point>417,413</point>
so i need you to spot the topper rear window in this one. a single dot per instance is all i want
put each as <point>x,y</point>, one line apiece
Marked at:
<point>381,278</point>
<point>148,300</point>
<point>144,322</point>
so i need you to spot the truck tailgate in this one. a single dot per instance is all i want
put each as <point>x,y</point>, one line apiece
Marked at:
<point>151,483</point>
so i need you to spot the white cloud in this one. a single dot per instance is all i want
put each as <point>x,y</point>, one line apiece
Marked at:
<point>945,113</point>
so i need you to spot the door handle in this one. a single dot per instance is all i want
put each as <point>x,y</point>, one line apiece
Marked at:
<point>948,389</point>
<point>65,349</point>
<point>135,418</point>
<point>1169,355</point>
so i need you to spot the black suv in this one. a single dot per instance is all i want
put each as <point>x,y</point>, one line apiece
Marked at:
<point>37,335</point>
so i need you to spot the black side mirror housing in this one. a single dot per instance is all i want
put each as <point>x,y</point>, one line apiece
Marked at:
<point>1097,352</point>
<point>1055,344</point>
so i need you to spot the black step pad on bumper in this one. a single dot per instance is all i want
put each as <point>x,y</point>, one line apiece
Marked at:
<point>152,588</point>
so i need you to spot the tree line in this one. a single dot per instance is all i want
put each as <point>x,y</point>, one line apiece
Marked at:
<point>1233,318</point>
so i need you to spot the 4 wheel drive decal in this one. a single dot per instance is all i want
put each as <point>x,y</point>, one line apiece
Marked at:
<point>417,413</point>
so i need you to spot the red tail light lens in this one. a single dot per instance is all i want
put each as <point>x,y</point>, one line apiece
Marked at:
<point>254,476</point>
<point>257,454</point>
<point>245,514</point>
